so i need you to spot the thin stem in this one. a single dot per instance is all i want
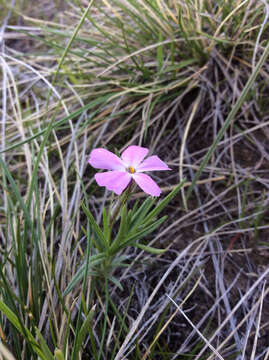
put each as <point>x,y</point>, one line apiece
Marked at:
<point>105,317</point>
<point>125,196</point>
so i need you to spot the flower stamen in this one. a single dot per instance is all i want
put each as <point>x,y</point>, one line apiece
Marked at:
<point>131,169</point>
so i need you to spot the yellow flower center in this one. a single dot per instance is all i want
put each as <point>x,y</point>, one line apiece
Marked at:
<point>132,170</point>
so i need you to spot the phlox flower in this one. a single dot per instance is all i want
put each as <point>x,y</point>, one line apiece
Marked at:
<point>130,166</point>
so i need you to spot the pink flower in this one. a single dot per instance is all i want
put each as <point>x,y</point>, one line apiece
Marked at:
<point>123,170</point>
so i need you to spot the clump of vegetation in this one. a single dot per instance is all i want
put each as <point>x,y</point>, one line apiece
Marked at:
<point>189,81</point>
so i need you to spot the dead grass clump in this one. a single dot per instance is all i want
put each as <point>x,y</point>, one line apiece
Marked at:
<point>188,80</point>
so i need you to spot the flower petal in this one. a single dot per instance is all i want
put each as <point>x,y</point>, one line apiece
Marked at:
<point>104,159</point>
<point>152,163</point>
<point>133,155</point>
<point>115,181</point>
<point>147,184</point>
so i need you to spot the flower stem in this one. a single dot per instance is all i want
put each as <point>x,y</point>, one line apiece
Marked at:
<point>125,196</point>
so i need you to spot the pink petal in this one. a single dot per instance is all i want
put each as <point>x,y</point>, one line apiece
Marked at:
<point>152,163</point>
<point>133,155</point>
<point>115,181</point>
<point>147,184</point>
<point>104,159</point>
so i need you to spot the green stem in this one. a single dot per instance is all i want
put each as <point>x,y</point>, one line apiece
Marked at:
<point>105,317</point>
<point>125,196</point>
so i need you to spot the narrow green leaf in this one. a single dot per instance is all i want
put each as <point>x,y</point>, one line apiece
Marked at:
<point>119,260</point>
<point>25,332</point>
<point>44,347</point>
<point>93,260</point>
<point>160,52</point>
<point>58,354</point>
<point>139,216</point>
<point>68,46</point>
<point>85,328</point>
<point>40,153</point>
<point>100,100</point>
<point>11,316</point>
<point>230,117</point>
<point>17,193</point>
<point>115,282</point>
<point>106,226</point>
<point>180,65</point>
<point>150,249</point>
<point>121,233</point>
<point>142,233</point>
<point>164,202</point>
<point>101,239</point>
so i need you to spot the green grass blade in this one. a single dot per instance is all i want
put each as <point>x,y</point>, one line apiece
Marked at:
<point>69,45</point>
<point>150,249</point>
<point>44,347</point>
<point>100,100</point>
<point>16,193</point>
<point>93,260</point>
<point>100,238</point>
<point>142,233</point>
<point>164,202</point>
<point>82,332</point>
<point>15,322</point>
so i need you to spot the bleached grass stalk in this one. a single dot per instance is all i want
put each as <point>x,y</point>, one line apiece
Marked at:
<point>135,325</point>
<point>184,346</point>
<point>6,353</point>
<point>257,282</point>
<point>197,330</point>
<point>183,146</point>
<point>105,82</point>
<point>258,323</point>
<point>231,115</point>
<point>171,318</point>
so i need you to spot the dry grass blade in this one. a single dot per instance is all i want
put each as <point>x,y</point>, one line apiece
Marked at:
<point>6,353</point>
<point>258,324</point>
<point>199,332</point>
<point>137,322</point>
<point>172,76</point>
<point>264,275</point>
<point>171,318</point>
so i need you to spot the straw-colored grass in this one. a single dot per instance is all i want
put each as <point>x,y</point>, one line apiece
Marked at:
<point>187,79</point>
